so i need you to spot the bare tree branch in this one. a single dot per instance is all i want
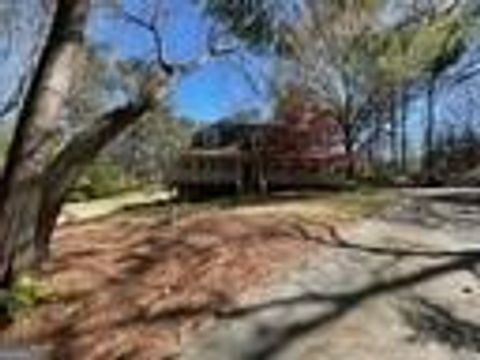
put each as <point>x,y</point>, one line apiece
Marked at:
<point>151,26</point>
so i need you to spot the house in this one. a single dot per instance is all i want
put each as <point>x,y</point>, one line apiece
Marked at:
<point>303,148</point>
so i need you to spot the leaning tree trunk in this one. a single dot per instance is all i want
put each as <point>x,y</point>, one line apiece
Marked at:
<point>68,165</point>
<point>34,137</point>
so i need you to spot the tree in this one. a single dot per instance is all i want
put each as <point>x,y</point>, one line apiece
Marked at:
<point>416,52</point>
<point>37,173</point>
<point>144,152</point>
<point>336,48</point>
<point>148,150</point>
<point>422,53</point>
<point>348,55</point>
<point>28,155</point>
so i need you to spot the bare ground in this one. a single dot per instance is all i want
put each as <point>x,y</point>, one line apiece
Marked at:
<point>403,285</point>
<point>137,284</point>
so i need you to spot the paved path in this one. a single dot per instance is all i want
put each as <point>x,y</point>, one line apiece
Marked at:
<point>92,209</point>
<point>403,286</point>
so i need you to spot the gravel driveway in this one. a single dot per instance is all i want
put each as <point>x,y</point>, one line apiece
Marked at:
<point>404,285</point>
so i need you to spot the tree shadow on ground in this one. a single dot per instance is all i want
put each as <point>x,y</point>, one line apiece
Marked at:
<point>273,340</point>
<point>435,211</point>
<point>334,239</point>
<point>277,339</point>
<point>132,285</point>
<point>433,322</point>
<point>133,297</point>
<point>456,197</point>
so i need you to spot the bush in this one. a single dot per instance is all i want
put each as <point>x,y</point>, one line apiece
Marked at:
<point>101,179</point>
<point>25,294</point>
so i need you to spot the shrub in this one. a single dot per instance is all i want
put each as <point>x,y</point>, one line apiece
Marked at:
<point>25,293</point>
<point>101,179</point>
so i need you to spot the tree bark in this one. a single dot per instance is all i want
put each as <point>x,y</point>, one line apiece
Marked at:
<point>348,143</point>
<point>348,125</point>
<point>68,165</point>
<point>404,130</point>
<point>430,129</point>
<point>393,129</point>
<point>34,137</point>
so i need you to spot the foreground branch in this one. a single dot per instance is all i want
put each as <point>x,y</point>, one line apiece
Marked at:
<point>68,165</point>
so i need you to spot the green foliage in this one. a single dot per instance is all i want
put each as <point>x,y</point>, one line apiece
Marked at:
<point>255,22</point>
<point>25,294</point>
<point>151,146</point>
<point>428,47</point>
<point>101,179</point>
<point>143,153</point>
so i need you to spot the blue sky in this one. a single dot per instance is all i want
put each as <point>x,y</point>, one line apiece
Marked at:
<point>216,90</point>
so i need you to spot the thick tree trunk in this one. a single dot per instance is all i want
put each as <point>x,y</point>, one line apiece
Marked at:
<point>19,214</point>
<point>30,151</point>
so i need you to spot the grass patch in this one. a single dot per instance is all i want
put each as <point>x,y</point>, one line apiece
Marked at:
<point>26,293</point>
<point>363,202</point>
<point>345,205</point>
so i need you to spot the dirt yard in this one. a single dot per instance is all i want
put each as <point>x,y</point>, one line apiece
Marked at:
<point>400,285</point>
<point>136,284</point>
